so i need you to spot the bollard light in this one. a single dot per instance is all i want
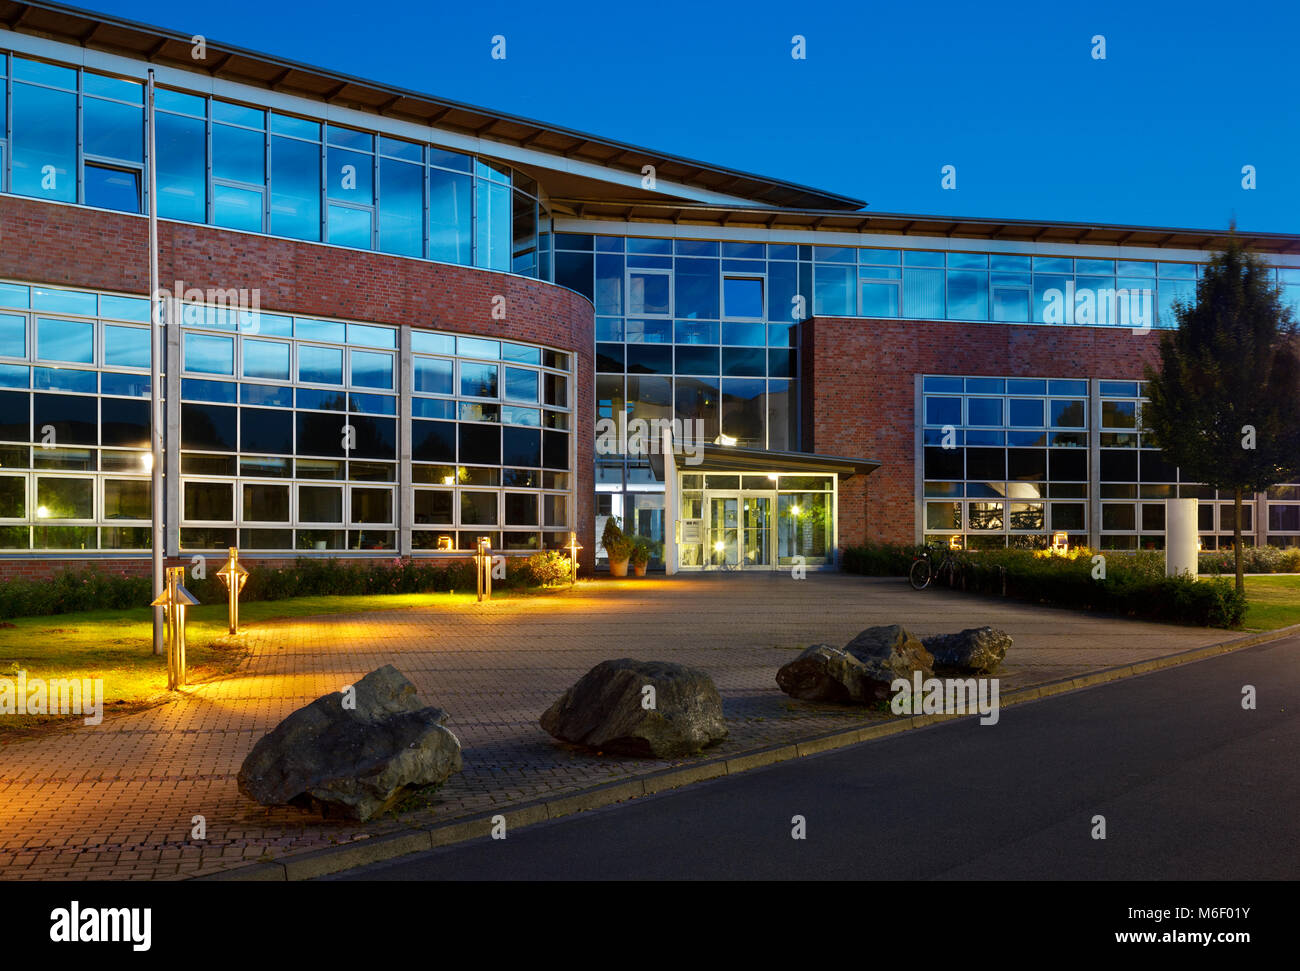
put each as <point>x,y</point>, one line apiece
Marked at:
<point>1060,543</point>
<point>483,563</point>
<point>573,548</point>
<point>174,599</point>
<point>234,577</point>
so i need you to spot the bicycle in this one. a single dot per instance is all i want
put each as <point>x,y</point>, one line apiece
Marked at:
<point>924,571</point>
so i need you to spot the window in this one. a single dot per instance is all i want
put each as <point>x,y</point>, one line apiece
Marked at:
<point>65,498</point>
<point>238,168</point>
<point>70,341</point>
<point>320,504</point>
<point>451,217</point>
<point>494,239</point>
<point>181,145</point>
<point>478,380</point>
<point>649,292</point>
<point>266,359</point>
<point>742,297</point>
<point>44,131</point>
<point>401,198</point>
<point>295,188</point>
<point>521,384</point>
<point>372,370</point>
<point>478,508</point>
<point>209,355</point>
<point>320,365</point>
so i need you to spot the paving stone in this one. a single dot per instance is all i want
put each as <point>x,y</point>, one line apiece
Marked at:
<point>117,800</point>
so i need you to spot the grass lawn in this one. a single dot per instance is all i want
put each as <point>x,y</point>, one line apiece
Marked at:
<point>1274,601</point>
<point>115,645</point>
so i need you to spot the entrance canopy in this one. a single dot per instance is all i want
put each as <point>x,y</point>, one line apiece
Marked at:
<point>727,507</point>
<point>734,458</point>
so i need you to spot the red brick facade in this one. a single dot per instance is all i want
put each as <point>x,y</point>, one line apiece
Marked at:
<point>859,394</point>
<point>76,247</point>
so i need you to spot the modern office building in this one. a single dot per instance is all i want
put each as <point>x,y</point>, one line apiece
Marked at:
<point>401,323</point>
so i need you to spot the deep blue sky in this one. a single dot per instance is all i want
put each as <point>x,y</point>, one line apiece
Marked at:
<point>889,93</point>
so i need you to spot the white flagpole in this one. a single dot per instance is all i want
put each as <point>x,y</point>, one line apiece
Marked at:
<point>157,346</point>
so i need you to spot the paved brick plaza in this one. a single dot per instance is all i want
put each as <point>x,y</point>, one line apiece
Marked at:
<point>116,801</point>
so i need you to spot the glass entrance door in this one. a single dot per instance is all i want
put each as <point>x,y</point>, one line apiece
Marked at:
<point>756,515</point>
<point>739,531</point>
<point>724,532</point>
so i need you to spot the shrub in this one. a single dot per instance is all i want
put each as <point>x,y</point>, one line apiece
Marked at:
<point>1134,586</point>
<point>92,589</point>
<point>618,546</point>
<point>641,551</point>
<point>880,559</point>
<point>550,567</point>
<point>1254,559</point>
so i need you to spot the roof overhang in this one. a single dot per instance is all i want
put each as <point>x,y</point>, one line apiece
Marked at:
<point>895,224</point>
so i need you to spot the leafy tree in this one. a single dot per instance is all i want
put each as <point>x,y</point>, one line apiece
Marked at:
<point>1224,402</point>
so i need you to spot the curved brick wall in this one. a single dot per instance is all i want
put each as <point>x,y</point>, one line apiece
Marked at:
<point>67,246</point>
<point>858,394</point>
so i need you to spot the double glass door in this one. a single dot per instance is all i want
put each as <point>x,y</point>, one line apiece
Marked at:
<point>739,530</point>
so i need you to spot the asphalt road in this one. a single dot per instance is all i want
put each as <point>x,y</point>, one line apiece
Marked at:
<point>1192,787</point>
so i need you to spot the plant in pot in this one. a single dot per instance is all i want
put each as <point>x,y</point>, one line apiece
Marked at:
<point>618,547</point>
<point>641,551</point>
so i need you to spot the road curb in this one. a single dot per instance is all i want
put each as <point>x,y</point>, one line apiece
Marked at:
<point>335,859</point>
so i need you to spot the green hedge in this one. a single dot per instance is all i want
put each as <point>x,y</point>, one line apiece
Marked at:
<point>1135,584</point>
<point>1254,559</point>
<point>93,589</point>
<point>879,559</point>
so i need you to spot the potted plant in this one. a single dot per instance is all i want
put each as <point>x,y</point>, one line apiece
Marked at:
<point>640,555</point>
<point>617,547</point>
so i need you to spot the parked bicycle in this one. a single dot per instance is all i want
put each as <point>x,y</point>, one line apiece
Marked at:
<point>924,569</point>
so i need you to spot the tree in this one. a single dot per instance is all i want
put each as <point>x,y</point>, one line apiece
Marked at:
<point>1224,404</point>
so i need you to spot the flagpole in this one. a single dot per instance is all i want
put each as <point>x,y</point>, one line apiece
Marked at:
<point>157,346</point>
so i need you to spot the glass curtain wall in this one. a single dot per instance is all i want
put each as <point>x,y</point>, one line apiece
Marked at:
<point>288,431</point>
<point>1006,463</point>
<point>77,136</point>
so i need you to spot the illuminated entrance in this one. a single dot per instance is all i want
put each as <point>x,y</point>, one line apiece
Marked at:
<point>752,509</point>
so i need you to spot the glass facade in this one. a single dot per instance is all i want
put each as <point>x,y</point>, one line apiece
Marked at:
<point>290,434</point>
<point>756,521</point>
<point>290,430</point>
<point>77,136</point>
<point>1009,461</point>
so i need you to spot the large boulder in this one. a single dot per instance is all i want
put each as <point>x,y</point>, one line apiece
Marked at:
<point>355,762</point>
<point>825,673</point>
<point>976,650</point>
<point>604,710</point>
<point>861,672</point>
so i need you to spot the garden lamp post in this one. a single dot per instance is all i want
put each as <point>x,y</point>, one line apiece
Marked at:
<point>483,562</point>
<point>173,600</point>
<point>234,577</point>
<point>573,548</point>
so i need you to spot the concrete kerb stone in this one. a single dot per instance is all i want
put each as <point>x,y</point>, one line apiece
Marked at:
<point>254,872</point>
<point>318,863</point>
<point>335,859</point>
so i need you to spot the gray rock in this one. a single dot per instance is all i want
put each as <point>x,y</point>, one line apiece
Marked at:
<point>825,673</point>
<point>354,762</point>
<point>603,710</point>
<point>860,672</point>
<point>976,650</point>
